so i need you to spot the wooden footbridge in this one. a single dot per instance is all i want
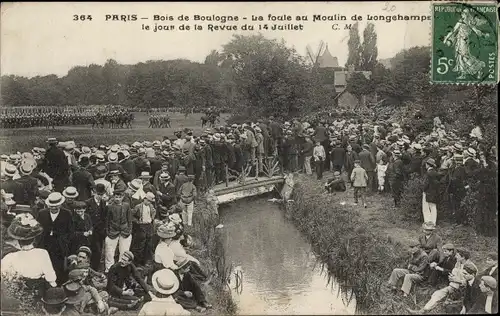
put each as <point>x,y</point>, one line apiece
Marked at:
<point>249,182</point>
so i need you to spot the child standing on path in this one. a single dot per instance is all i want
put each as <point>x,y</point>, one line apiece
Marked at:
<point>319,156</point>
<point>359,179</point>
<point>381,171</point>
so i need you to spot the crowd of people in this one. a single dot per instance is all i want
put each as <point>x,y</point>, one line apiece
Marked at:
<point>71,207</point>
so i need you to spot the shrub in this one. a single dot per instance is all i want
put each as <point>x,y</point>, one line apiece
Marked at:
<point>481,202</point>
<point>411,200</point>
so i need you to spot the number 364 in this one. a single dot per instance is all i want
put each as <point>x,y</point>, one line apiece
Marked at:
<point>82,17</point>
<point>444,64</point>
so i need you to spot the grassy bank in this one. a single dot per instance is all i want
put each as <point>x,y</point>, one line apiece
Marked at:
<point>360,247</point>
<point>208,249</point>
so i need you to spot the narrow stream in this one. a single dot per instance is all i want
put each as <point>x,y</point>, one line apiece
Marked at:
<point>280,272</point>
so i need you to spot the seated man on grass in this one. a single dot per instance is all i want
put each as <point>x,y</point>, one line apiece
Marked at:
<point>440,270</point>
<point>457,278</point>
<point>415,273</point>
<point>335,184</point>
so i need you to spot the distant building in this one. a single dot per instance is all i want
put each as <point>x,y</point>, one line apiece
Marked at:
<point>337,77</point>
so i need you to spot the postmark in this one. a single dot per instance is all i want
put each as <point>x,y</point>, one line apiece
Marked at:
<point>464,43</point>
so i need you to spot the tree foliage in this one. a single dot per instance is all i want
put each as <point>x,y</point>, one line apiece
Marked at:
<point>269,77</point>
<point>369,50</point>
<point>354,47</point>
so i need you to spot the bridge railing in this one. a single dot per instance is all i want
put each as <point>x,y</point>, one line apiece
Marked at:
<point>270,168</point>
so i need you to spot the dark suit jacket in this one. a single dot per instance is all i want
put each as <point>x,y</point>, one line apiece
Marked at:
<point>83,181</point>
<point>338,155</point>
<point>367,160</point>
<point>55,163</point>
<point>26,190</point>
<point>471,294</point>
<point>480,303</point>
<point>431,186</point>
<point>10,186</point>
<point>433,242</point>
<point>62,230</point>
<point>97,215</point>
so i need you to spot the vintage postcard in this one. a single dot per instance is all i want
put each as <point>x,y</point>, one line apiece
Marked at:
<point>260,158</point>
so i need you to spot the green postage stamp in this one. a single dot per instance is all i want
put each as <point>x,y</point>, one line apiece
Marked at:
<point>464,43</point>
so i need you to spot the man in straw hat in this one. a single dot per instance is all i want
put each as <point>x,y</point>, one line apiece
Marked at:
<point>166,283</point>
<point>118,228</point>
<point>190,294</point>
<point>27,188</point>
<point>430,241</point>
<point>122,294</point>
<point>147,186</point>
<point>167,196</point>
<point>430,193</point>
<point>101,171</point>
<point>24,228</point>
<point>397,177</point>
<point>143,215</point>
<point>58,231</point>
<point>187,193</point>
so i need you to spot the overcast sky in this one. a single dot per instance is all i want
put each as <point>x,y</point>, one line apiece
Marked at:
<point>42,38</point>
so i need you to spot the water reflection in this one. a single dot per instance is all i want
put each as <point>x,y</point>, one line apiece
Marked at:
<point>279,273</point>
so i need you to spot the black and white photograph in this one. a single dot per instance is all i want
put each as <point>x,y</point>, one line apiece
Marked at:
<point>249,158</point>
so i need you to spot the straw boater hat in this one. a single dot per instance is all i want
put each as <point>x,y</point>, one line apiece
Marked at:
<point>471,151</point>
<point>101,171</point>
<point>165,176</point>
<point>145,175</point>
<point>24,227</point>
<point>55,199</point>
<point>10,170</point>
<point>54,296</point>
<point>428,226</point>
<point>115,172</point>
<point>175,218</point>
<point>431,162</point>
<point>165,281</point>
<point>27,166</point>
<point>113,157</point>
<point>166,231</point>
<point>135,185</point>
<point>70,192</point>
<point>52,140</point>
<point>489,281</point>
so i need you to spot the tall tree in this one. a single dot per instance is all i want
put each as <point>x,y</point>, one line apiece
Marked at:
<point>369,49</point>
<point>270,78</point>
<point>354,47</point>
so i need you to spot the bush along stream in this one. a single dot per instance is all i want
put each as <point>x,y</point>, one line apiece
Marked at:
<point>359,260</point>
<point>209,249</point>
<point>359,246</point>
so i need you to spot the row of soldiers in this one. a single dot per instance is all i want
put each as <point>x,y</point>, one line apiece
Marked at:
<point>159,121</point>
<point>117,118</point>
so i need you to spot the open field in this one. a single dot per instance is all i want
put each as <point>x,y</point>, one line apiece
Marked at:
<point>24,139</point>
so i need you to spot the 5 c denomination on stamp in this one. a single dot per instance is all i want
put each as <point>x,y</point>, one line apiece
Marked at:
<point>464,43</point>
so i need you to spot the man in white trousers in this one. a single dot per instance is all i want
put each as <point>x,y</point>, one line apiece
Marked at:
<point>118,228</point>
<point>430,195</point>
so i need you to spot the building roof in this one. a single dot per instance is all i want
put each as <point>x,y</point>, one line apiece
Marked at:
<point>326,60</point>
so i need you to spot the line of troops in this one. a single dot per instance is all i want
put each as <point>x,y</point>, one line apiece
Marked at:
<point>116,118</point>
<point>157,120</point>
